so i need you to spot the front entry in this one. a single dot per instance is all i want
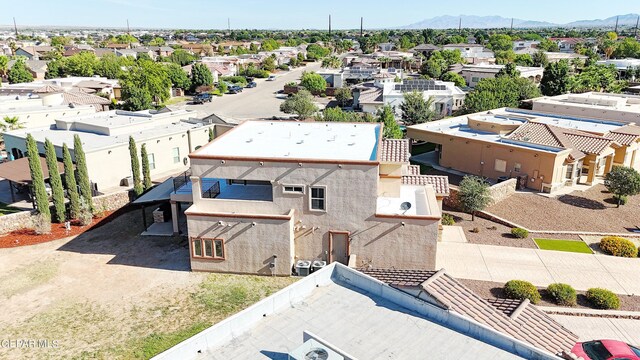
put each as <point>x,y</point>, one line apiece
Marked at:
<point>339,247</point>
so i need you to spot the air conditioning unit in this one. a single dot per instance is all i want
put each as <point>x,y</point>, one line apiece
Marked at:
<point>303,267</point>
<point>317,265</point>
<point>128,181</point>
<point>316,350</point>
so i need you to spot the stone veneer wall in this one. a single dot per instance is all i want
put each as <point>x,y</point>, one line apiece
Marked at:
<point>498,192</point>
<point>23,219</point>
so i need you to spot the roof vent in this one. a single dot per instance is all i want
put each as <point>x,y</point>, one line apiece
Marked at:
<point>405,206</point>
<point>300,142</point>
<point>250,140</point>
<point>317,354</point>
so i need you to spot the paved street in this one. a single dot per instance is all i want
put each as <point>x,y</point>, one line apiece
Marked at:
<point>260,102</point>
<point>541,267</point>
<point>595,328</point>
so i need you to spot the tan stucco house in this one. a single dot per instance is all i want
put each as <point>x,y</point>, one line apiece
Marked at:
<point>269,194</point>
<point>548,151</point>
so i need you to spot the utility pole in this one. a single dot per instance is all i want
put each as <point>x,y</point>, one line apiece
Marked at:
<point>511,25</point>
<point>329,24</point>
<point>635,33</point>
<point>15,27</point>
<point>616,30</point>
<point>229,25</point>
<point>460,25</point>
<point>361,25</point>
<point>128,29</point>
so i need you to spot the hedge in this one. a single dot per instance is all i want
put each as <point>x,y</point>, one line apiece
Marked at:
<point>618,246</point>
<point>448,220</point>
<point>520,290</point>
<point>603,299</point>
<point>563,294</point>
<point>520,233</point>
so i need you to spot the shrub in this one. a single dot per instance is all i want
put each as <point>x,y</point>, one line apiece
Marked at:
<point>85,216</point>
<point>618,246</point>
<point>41,224</point>
<point>563,294</point>
<point>448,219</point>
<point>520,233</point>
<point>603,299</point>
<point>620,199</point>
<point>475,230</point>
<point>520,289</point>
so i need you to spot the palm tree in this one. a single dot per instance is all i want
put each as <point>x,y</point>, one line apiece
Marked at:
<point>11,123</point>
<point>384,61</point>
<point>331,62</point>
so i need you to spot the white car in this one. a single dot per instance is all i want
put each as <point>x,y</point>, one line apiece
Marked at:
<point>271,78</point>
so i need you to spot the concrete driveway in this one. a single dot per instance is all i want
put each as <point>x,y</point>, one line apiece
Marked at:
<point>541,267</point>
<point>596,328</point>
<point>260,102</point>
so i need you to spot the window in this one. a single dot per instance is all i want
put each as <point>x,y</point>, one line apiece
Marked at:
<point>569,172</point>
<point>176,154</point>
<point>152,161</point>
<point>293,189</point>
<point>208,248</point>
<point>500,165</point>
<point>318,198</point>
<point>474,79</point>
<point>517,167</point>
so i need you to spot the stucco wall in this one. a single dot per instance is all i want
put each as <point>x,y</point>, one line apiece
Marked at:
<point>46,116</point>
<point>497,192</point>
<point>587,111</point>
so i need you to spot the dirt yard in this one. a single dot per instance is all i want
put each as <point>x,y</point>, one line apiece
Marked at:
<point>592,210</point>
<point>110,293</point>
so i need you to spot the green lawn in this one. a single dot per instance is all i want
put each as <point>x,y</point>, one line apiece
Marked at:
<point>564,245</point>
<point>6,209</point>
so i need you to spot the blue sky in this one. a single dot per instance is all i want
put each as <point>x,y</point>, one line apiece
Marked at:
<point>292,14</point>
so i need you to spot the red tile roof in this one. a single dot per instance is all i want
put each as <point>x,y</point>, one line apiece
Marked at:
<point>440,183</point>
<point>395,150</point>
<point>413,170</point>
<point>625,135</point>
<point>518,319</point>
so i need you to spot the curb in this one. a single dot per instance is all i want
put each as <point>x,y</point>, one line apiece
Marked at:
<point>611,314</point>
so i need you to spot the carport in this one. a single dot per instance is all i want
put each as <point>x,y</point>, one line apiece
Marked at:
<point>19,176</point>
<point>159,196</point>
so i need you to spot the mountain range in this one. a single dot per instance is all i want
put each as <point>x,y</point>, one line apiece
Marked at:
<point>487,22</point>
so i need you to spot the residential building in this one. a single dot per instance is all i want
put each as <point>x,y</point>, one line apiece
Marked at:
<point>37,68</point>
<point>386,46</point>
<point>342,314</point>
<point>557,56</point>
<point>86,84</point>
<point>353,75</point>
<point>472,74</point>
<point>568,45</point>
<point>623,66</point>
<point>268,194</point>
<point>606,106</point>
<point>425,49</point>
<point>473,53</point>
<point>525,46</point>
<point>548,151</point>
<point>33,52</point>
<point>370,97</point>
<point>169,138</point>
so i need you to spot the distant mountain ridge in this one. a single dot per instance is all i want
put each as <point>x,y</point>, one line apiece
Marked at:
<point>487,22</point>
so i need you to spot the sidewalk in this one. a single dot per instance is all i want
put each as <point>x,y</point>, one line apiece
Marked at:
<point>541,267</point>
<point>594,328</point>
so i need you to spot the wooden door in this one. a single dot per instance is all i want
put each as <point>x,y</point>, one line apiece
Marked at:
<point>339,247</point>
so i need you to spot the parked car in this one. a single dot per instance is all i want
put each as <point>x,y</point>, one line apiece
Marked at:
<point>234,89</point>
<point>271,78</point>
<point>605,350</point>
<point>202,98</point>
<point>252,84</point>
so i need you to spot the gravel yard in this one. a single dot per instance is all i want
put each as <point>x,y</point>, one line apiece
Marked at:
<point>592,210</point>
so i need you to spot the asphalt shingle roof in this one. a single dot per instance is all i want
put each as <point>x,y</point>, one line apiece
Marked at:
<point>516,318</point>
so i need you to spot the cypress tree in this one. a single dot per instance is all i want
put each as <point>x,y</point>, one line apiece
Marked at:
<point>37,178</point>
<point>55,181</point>
<point>146,175</point>
<point>211,136</point>
<point>135,167</point>
<point>70,181</point>
<point>83,173</point>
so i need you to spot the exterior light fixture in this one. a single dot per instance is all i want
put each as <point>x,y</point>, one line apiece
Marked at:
<point>299,164</point>
<point>253,223</point>
<point>261,163</point>
<point>221,161</point>
<point>402,223</point>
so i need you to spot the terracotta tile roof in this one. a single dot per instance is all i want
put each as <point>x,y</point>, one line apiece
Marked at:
<point>413,170</point>
<point>516,318</point>
<point>79,97</point>
<point>371,96</point>
<point>395,150</point>
<point>440,183</point>
<point>625,135</point>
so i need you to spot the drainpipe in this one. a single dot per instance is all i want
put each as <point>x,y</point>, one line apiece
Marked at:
<point>189,140</point>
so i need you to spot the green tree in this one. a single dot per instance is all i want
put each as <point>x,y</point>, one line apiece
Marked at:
<point>177,76</point>
<point>597,78</point>
<point>500,92</point>
<point>60,41</point>
<point>211,134</point>
<point>627,48</point>
<point>55,181</point>
<point>146,171</point>
<point>135,167</point>
<point>82,172</point>
<point>157,41</point>
<point>147,75</point>
<point>269,45</point>
<point>523,60</point>
<point>4,65</point>
<point>182,57</point>
<point>548,45</point>
<point>81,64</point>
<point>505,56</point>
<point>200,76</point>
<point>415,109</point>
<point>111,66</point>
<point>136,98</point>
<point>317,52</point>
<point>313,82</point>
<point>335,114</point>
<point>70,182</point>
<point>473,195</point>
<point>56,68</point>
<point>332,62</point>
<point>387,116</point>
<point>509,70</point>
<point>500,42</point>
<point>300,104</point>
<point>269,63</point>
<point>37,178</point>
<point>19,73</point>
<point>11,123</point>
<point>622,181</point>
<point>454,78</point>
<point>539,59</point>
<point>555,79</point>
<point>343,96</point>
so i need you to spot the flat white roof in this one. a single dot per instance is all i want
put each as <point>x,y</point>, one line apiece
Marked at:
<point>569,122</point>
<point>297,140</point>
<point>411,202</point>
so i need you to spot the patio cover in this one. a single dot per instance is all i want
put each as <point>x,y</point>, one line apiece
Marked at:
<point>17,171</point>
<point>161,192</point>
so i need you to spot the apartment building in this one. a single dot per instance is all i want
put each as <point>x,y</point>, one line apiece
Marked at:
<point>169,137</point>
<point>548,151</point>
<point>269,194</point>
<point>605,106</point>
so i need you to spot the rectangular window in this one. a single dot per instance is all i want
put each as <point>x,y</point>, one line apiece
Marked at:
<point>175,152</point>
<point>293,189</point>
<point>500,165</point>
<point>569,172</point>
<point>152,161</point>
<point>208,248</point>
<point>474,79</point>
<point>318,198</point>
<point>517,167</point>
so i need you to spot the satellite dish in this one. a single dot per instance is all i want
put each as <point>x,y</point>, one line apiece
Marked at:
<point>317,354</point>
<point>405,206</point>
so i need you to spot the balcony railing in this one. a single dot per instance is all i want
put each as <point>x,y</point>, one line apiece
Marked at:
<point>180,180</point>
<point>212,191</point>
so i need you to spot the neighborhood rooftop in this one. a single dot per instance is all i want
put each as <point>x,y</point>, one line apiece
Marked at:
<point>297,140</point>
